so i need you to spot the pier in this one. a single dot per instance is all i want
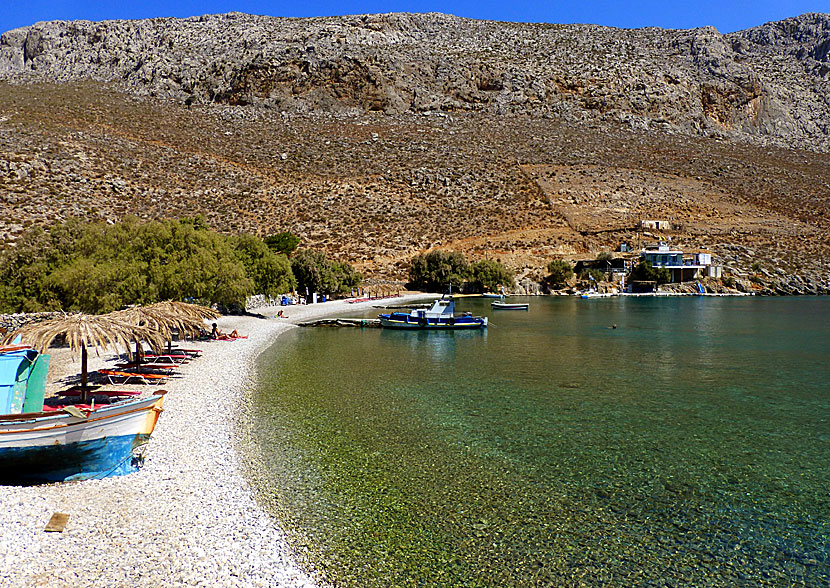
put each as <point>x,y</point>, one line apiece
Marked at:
<point>371,323</point>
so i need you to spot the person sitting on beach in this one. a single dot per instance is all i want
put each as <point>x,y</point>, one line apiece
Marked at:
<point>215,333</point>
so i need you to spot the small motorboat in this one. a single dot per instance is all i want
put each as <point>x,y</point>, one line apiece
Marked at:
<point>510,305</point>
<point>440,316</point>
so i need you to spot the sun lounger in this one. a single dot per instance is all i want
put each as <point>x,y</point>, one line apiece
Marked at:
<point>127,377</point>
<point>167,358</point>
<point>132,366</point>
<point>193,352</point>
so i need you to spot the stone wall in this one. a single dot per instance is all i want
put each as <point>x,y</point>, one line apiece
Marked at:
<point>10,322</point>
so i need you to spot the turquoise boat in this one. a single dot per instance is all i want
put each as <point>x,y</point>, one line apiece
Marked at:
<point>23,374</point>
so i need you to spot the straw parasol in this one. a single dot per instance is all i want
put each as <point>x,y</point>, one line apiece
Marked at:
<point>191,317</point>
<point>83,331</point>
<point>186,310</point>
<point>167,317</point>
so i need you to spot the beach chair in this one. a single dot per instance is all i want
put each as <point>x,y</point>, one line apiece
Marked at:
<point>150,358</point>
<point>116,377</point>
<point>191,352</point>
<point>149,367</point>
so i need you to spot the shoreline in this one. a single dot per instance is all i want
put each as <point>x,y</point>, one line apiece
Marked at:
<point>189,517</point>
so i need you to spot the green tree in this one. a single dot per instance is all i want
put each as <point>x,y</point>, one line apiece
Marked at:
<point>97,267</point>
<point>559,272</point>
<point>489,275</point>
<point>592,273</point>
<point>436,270</point>
<point>347,277</point>
<point>285,242</point>
<point>645,272</point>
<point>317,273</point>
<point>270,272</point>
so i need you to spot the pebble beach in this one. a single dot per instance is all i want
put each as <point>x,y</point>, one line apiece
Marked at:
<point>189,517</point>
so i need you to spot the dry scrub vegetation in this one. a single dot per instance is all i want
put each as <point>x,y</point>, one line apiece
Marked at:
<point>374,189</point>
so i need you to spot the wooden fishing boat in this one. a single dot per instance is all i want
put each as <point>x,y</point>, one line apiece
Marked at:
<point>440,316</point>
<point>77,444</point>
<point>510,305</point>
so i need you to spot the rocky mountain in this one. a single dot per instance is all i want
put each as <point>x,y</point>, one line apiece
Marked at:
<point>379,136</point>
<point>771,82</point>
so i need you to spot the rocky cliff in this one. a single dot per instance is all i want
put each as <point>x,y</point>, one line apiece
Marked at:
<point>769,84</point>
<point>374,138</point>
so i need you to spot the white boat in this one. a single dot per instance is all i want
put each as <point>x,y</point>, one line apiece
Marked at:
<point>510,305</point>
<point>492,295</point>
<point>440,316</point>
<point>595,294</point>
<point>76,444</point>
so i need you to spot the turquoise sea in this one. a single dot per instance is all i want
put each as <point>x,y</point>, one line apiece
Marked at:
<point>690,446</point>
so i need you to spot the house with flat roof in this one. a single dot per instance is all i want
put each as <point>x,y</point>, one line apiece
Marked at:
<point>683,266</point>
<point>658,225</point>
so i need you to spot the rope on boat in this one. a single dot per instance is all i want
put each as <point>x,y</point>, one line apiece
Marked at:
<point>136,454</point>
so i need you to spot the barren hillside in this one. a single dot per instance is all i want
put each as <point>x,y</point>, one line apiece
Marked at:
<point>378,137</point>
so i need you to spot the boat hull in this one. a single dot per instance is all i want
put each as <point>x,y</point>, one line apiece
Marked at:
<point>509,306</point>
<point>394,321</point>
<point>56,447</point>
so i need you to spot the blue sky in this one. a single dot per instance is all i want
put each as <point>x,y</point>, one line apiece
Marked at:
<point>727,16</point>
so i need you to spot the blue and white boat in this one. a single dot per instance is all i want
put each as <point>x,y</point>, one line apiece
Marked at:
<point>440,316</point>
<point>76,444</point>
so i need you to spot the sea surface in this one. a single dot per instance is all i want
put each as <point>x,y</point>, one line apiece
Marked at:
<point>688,446</point>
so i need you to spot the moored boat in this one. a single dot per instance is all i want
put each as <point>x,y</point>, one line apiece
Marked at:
<point>510,305</point>
<point>440,316</point>
<point>595,294</point>
<point>76,444</point>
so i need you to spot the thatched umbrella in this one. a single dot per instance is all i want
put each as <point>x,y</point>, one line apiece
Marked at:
<point>190,317</point>
<point>166,317</point>
<point>186,310</point>
<point>82,331</point>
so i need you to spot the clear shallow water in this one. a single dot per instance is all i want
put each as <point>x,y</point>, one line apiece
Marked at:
<point>689,446</point>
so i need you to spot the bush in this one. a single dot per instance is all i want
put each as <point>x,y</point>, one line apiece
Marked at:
<point>285,242</point>
<point>559,272</point>
<point>270,272</point>
<point>436,270</point>
<point>592,273</point>
<point>97,267</point>
<point>488,275</point>
<point>316,273</point>
<point>645,272</point>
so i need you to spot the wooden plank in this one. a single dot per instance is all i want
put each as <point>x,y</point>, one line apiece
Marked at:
<point>57,523</point>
